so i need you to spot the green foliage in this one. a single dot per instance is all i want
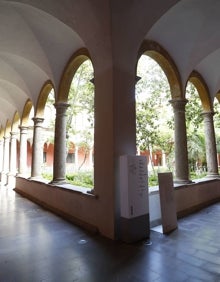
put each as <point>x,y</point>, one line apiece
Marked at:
<point>152,180</point>
<point>81,100</point>
<point>194,118</point>
<point>154,114</point>
<point>47,176</point>
<point>217,123</point>
<point>84,179</point>
<point>195,129</point>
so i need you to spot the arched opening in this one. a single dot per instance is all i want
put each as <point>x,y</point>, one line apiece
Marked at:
<point>41,131</point>
<point>48,135</point>
<point>80,127</point>
<point>195,132</point>
<point>216,107</point>
<point>154,118</point>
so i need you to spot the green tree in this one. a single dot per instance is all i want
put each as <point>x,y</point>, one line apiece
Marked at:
<point>195,128</point>
<point>80,114</point>
<point>154,115</point>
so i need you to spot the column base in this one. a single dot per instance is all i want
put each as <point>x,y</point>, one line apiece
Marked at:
<point>4,178</point>
<point>56,182</point>
<point>212,176</point>
<point>23,175</point>
<point>11,180</point>
<point>37,178</point>
<point>182,181</point>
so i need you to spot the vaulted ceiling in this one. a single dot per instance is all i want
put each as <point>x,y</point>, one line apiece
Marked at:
<point>189,31</point>
<point>31,44</point>
<point>37,38</point>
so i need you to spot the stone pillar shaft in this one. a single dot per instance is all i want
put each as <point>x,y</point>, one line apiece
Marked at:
<point>59,167</point>
<point>1,154</point>
<point>6,155</point>
<point>5,171</point>
<point>37,148</point>
<point>210,142</point>
<point>23,151</point>
<point>76,157</point>
<point>180,142</point>
<point>13,154</point>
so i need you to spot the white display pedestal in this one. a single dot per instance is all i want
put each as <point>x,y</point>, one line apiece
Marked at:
<point>134,199</point>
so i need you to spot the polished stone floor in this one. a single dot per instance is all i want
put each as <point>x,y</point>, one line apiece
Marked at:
<point>36,245</point>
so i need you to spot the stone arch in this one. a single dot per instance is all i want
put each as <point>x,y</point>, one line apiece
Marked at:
<point>7,129</point>
<point>76,60</point>
<point>15,122</point>
<point>161,56</point>
<point>197,80</point>
<point>42,99</point>
<point>217,96</point>
<point>1,132</point>
<point>26,113</point>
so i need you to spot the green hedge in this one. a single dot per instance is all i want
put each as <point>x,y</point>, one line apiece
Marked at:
<point>84,179</point>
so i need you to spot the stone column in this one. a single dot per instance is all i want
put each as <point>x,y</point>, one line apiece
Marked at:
<point>76,157</point>
<point>13,159</point>
<point>59,165</point>
<point>22,168</point>
<point>164,164</point>
<point>37,149</point>
<point>91,158</point>
<point>210,143</point>
<point>1,156</point>
<point>180,142</point>
<point>5,160</point>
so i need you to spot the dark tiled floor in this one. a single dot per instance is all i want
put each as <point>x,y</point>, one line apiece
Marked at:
<point>36,245</point>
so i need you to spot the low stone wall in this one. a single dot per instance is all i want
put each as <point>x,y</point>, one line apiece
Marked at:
<point>189,198</point>
<point>76,206</point>
<point>83,208</point>
<point>192,197</point>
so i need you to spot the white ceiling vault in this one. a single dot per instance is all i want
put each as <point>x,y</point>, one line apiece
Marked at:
<point>37,38</point>
<point>31,44</point>
<point>190,32</point>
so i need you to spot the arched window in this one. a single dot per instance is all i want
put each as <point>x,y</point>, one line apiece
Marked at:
<point>80,125</point>
<point>154,117</point>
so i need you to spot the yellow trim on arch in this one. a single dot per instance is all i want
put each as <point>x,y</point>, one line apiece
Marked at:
<point>76,60</point>
<point>197,80</point>
<point>26,113</point>
<point>161,56</point>
<point>42,99</point>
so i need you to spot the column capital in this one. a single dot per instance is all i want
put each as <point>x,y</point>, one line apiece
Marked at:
<point>37,120</point>
<point>208,113</point>
<point>179,105</point>
<point>61,105</point>
<point>13,134</point>
<point>23,128</point>
<point>6,138</point>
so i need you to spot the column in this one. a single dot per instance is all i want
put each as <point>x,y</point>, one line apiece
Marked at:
<point>91,158</point>
<point>164,164</point>
<point>37,149</point>
<point>1,156</point>
<point>59,165</point>
<point>5,160</point>
<point>13,160</point>
<point>22,168</point>
<point>210,144</point>
<point>180,142</point>
<point>76,157</point>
